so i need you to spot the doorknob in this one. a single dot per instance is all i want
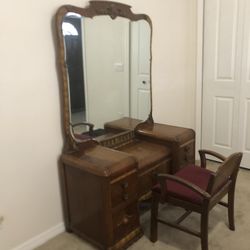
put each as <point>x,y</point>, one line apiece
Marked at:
<point>144,82</point>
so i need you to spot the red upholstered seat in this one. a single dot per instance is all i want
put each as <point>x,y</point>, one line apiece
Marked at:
<point>194,174</point>
<point>191,173</point>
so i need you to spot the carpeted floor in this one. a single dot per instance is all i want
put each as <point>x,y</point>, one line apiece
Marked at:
<point>220,237</point>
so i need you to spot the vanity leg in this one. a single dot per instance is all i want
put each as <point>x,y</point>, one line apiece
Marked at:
<point>154,216</point>
<point>64,197</point>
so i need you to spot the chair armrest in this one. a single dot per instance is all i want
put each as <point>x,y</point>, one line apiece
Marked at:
<point>163,177</point>
<point>204,152</point>
<point>90,125</point>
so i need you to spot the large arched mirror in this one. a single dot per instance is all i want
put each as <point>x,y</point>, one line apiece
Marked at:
<point>105,63</point>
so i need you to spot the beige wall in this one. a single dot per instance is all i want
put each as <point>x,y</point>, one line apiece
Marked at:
<point>30,125</point>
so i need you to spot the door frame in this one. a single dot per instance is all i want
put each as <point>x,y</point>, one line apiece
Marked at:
<point>199,74</point>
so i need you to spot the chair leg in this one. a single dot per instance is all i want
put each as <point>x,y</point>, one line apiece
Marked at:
<point>154,216</point>
<point>204,230</point>
<point>231,208</point>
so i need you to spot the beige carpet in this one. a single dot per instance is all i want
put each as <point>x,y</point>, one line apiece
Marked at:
<point>220,237</point>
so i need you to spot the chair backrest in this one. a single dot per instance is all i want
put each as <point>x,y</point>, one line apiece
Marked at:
<point>226,171</point>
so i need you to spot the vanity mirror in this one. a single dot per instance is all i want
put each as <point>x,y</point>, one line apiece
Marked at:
<point>105,61</point>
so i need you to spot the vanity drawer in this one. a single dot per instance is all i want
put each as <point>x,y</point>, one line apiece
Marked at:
<point>125,221</point>
<point>124,189</point>
<point>148,179</point>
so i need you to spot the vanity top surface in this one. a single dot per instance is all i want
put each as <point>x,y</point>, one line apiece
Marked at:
<point>166,132</point>
<point>101,161</point>
<point>146,153</point>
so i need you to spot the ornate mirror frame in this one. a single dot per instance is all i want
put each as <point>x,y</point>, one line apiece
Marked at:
<point>95,8</point>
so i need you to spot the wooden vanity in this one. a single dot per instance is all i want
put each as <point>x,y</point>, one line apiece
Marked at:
<point>103,185</point>
<point>105,177</point>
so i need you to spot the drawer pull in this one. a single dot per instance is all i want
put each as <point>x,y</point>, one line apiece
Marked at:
<point>125,197</point>
<point>124,220</point>
<point>125,185</point>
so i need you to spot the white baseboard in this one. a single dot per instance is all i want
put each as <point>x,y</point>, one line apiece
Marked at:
<point>41,238</point>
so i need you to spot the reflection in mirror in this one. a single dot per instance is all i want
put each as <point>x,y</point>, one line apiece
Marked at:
<point>108,65</point>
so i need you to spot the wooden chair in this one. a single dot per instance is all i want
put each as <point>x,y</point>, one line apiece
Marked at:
<point>197,189</point>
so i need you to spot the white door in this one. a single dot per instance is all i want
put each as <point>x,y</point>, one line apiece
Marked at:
<point>244,114</point>
<point>225,103</point>
<point>140,69</point>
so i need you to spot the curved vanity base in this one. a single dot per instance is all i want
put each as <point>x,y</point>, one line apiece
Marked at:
<point>128,240</point>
